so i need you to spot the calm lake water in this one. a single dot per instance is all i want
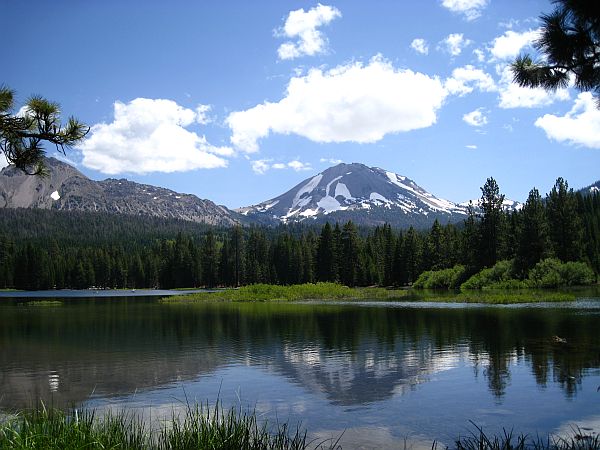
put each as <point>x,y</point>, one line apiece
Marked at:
<point>378,373</point>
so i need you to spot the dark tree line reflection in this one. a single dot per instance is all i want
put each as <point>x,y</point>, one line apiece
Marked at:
<point>350,354</point>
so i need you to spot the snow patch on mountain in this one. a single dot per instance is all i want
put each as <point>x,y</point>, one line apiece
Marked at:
<point>342,190</point>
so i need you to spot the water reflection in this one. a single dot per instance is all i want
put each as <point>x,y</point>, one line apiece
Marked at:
<point>341,356</point>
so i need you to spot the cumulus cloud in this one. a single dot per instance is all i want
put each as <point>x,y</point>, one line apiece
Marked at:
<point>580,126</point>
<point>150,135</point>
<point>509,45</point>
<point>302,25</point>
<point>330,160</point>
<point>465,79</point>
<point>479,54</point>
<point>261,166</point>
<point>420,46</point>
<point>476,118</point>
<point>349,103</point>
<point>454,43</point>
<point>470,9</point>
<point>514,96</point>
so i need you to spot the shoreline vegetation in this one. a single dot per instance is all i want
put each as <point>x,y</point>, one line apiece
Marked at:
<point>215,427</point>
<point>337,292</point>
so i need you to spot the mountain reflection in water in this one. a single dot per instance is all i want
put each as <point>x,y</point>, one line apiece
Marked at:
<point>343,355</point>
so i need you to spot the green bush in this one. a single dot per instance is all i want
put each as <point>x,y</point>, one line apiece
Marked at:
<point>441,279</point>
<point>495,276</point>
<point>551,272</point>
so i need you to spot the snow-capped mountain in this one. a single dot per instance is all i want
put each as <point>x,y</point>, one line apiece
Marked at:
<point>591,189</point>
<point>507,204</point>
<point>366,195</point>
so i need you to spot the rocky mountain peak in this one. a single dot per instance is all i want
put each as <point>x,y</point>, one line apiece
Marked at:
<point>65,188</point>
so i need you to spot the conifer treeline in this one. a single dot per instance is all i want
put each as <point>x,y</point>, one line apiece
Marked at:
<point>565,225</point>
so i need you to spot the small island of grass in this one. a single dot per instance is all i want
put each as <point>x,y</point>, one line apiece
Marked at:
<point>295,292</point>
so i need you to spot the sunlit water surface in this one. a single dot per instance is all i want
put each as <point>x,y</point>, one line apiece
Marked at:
<point>375,374</point>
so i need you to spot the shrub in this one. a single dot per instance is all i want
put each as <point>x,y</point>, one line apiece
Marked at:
<point>441,279</point>
<point>501,272</point>
<point>551,272</point>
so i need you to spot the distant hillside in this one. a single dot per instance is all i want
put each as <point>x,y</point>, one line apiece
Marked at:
<point>67,189</point>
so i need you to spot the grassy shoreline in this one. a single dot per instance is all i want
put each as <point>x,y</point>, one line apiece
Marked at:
<point>296,292</point>
<point>219,428</point>
<point>337,292</point>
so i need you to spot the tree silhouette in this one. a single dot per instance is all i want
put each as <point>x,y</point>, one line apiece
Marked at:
<point>570,45</point>
<point>22,134</point>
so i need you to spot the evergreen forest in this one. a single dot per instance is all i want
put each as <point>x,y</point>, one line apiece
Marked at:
<point>45,249</point>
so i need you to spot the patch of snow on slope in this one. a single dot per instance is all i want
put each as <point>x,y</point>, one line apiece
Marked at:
<point>431,200</point>
<point>309,212</point>
<point>269,206</point>
<point>306,189</point>
<point>342,189</point>
<point>378,197</point>
<point>55,195</point>
<point>330,183</point>
<point>594,189</point>
<point>329,204</point>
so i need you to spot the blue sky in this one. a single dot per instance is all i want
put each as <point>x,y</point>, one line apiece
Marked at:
<point>238,101</point>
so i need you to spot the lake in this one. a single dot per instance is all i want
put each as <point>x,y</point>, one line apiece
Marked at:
<point>375,373</point>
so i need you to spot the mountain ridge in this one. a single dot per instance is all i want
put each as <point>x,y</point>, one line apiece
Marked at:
<point>66,188</point>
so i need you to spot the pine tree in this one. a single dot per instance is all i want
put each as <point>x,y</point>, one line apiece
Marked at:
<point>491,223</point>
<point>349,251</point>
<point>566,230</point>
<point>327,269</point>
<point>210,260</point>
<point>22,135</point>
<point>569,41</point>
<point>533,240</point>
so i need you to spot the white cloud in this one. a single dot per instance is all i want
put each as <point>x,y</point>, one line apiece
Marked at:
<point>303,25</point>
<point>261,166</point>
<point>580,126</point>
<point>465,79</point>
<point>475,118</point>
<point>349,103</point>
<point>330,161</point>
<point>514,96</point>
<point>509,45</point>
<point>471,9</point>
<point>298,166</point>
<point>479,54</point>
<point>420,46</point>
<point>202,114</point>
<point>471,147</point>
<point>150,135</point>
<point>454,43</point>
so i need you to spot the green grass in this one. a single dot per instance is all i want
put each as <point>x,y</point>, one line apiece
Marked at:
<point>333,291</point>
<point>479,440</point>
<point>493,296</point>
<point>202,427</point>
<point>505,297</point>
<point>44,303</point>
<point>271,292</point>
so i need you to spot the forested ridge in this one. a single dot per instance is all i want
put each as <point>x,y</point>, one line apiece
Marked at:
<point>52,249</point>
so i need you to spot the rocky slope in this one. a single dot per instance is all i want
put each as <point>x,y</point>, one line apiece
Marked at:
<point>65,188</point>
